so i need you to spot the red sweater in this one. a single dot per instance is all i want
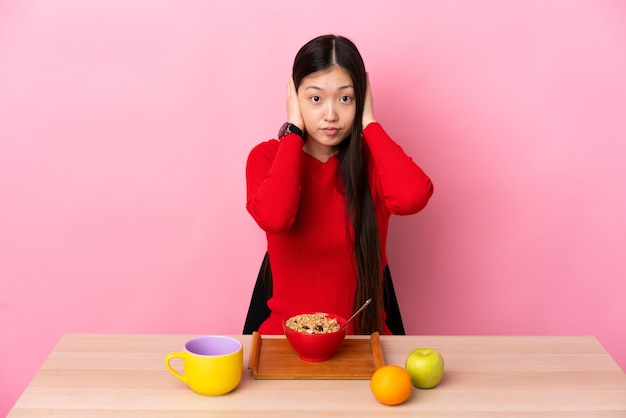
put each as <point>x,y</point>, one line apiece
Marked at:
<point>296,200</point>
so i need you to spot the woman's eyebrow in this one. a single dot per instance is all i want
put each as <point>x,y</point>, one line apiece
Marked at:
<point>313,87</point>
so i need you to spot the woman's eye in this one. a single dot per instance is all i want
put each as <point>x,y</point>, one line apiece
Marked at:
<point>316,99</point>
<point>346,99</point>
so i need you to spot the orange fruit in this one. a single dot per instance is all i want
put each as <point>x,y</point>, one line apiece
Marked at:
<point>391,385</point>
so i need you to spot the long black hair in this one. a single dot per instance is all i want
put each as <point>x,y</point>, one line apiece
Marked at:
<point>319,54</point>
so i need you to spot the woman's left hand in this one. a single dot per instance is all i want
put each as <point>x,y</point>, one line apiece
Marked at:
<point>368,105</point>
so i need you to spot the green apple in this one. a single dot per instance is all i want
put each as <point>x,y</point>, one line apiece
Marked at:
<point>425,365</point>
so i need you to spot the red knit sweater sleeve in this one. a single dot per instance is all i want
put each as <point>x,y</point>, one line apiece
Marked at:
<point>273,176</point>
<point>402,184</point>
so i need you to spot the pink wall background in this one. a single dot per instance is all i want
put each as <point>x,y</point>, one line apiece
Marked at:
<point>125,126</point>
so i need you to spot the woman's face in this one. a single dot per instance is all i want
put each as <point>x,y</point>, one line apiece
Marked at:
<point>328,106</point>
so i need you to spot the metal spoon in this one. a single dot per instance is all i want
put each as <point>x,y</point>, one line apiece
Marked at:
<point>367,302</point>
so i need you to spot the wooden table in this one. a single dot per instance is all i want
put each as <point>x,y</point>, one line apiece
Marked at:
<point>486,376</point>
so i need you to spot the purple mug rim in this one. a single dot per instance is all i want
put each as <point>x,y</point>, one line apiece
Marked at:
<point>222,345</point>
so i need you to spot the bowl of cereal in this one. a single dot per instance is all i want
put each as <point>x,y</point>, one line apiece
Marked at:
<point>315,336</point>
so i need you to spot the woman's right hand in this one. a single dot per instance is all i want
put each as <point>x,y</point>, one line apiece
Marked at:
<point>293,108</point>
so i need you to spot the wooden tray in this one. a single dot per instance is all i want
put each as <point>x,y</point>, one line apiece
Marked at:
<point>274,358</point>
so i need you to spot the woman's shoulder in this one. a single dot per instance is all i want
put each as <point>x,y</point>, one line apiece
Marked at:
<point>267,149</point>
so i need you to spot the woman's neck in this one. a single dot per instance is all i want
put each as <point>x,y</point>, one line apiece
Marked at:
<point>318,151</point>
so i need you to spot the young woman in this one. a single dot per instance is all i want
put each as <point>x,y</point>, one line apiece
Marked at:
<point>323,192</point>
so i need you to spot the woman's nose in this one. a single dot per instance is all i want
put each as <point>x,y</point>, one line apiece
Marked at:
<point>330,114</point>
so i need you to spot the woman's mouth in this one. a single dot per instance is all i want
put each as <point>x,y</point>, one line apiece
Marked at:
<point>330,131</point>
